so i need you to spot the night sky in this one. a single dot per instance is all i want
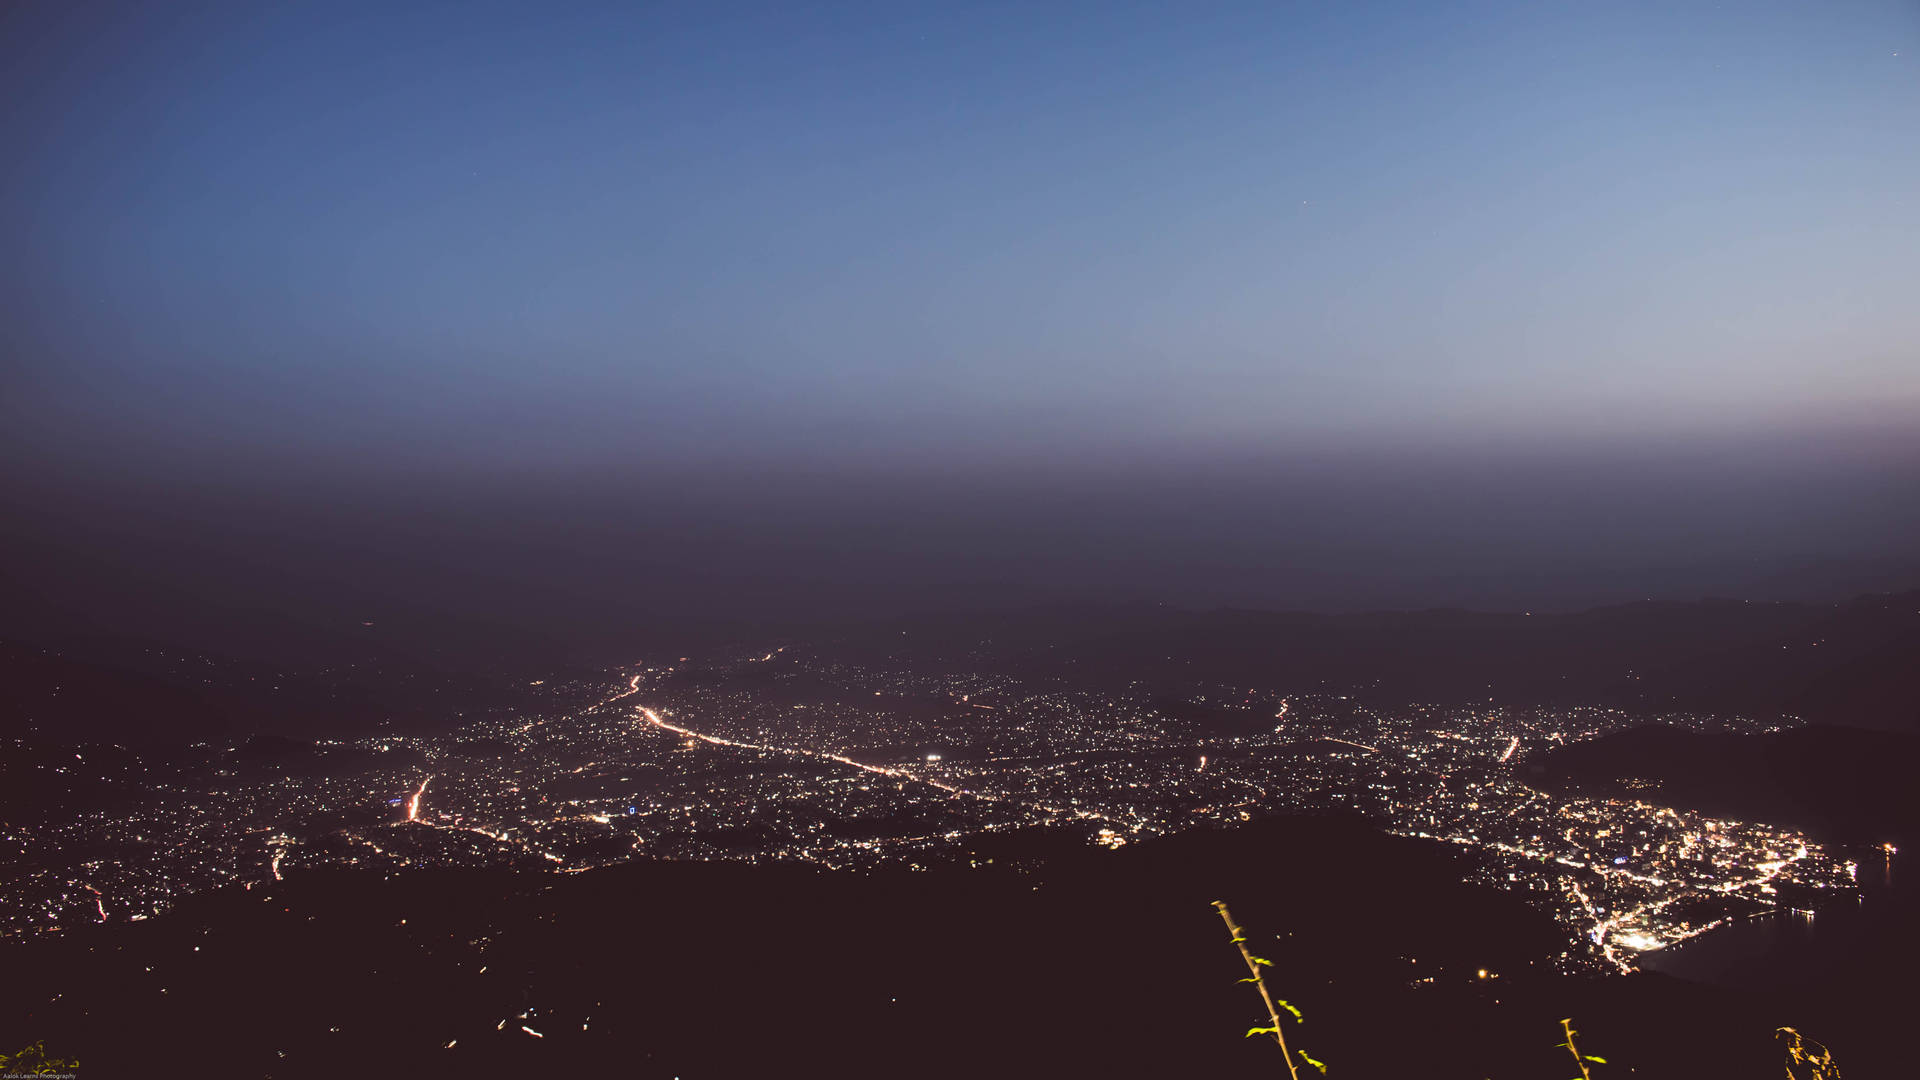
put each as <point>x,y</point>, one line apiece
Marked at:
<point>1297,305</point>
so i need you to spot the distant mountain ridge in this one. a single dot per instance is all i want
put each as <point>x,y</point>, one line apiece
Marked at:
<point>1843,785</point>
<point>1854,664</point>
<point>141,694</point>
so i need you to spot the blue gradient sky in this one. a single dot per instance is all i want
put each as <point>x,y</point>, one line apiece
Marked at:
<point>473,240</point>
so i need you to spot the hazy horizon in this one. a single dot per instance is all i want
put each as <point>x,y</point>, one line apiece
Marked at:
<point>728,308</point>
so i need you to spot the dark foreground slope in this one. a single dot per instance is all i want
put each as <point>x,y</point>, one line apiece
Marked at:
<point>1108,966</point>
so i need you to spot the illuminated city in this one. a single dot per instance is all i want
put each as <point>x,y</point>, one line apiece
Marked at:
<point>846,767</point>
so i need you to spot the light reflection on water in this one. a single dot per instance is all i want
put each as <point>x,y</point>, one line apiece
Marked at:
<point>1848,939</point>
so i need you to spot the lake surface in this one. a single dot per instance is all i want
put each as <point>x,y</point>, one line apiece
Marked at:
<point>1856,944</point>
